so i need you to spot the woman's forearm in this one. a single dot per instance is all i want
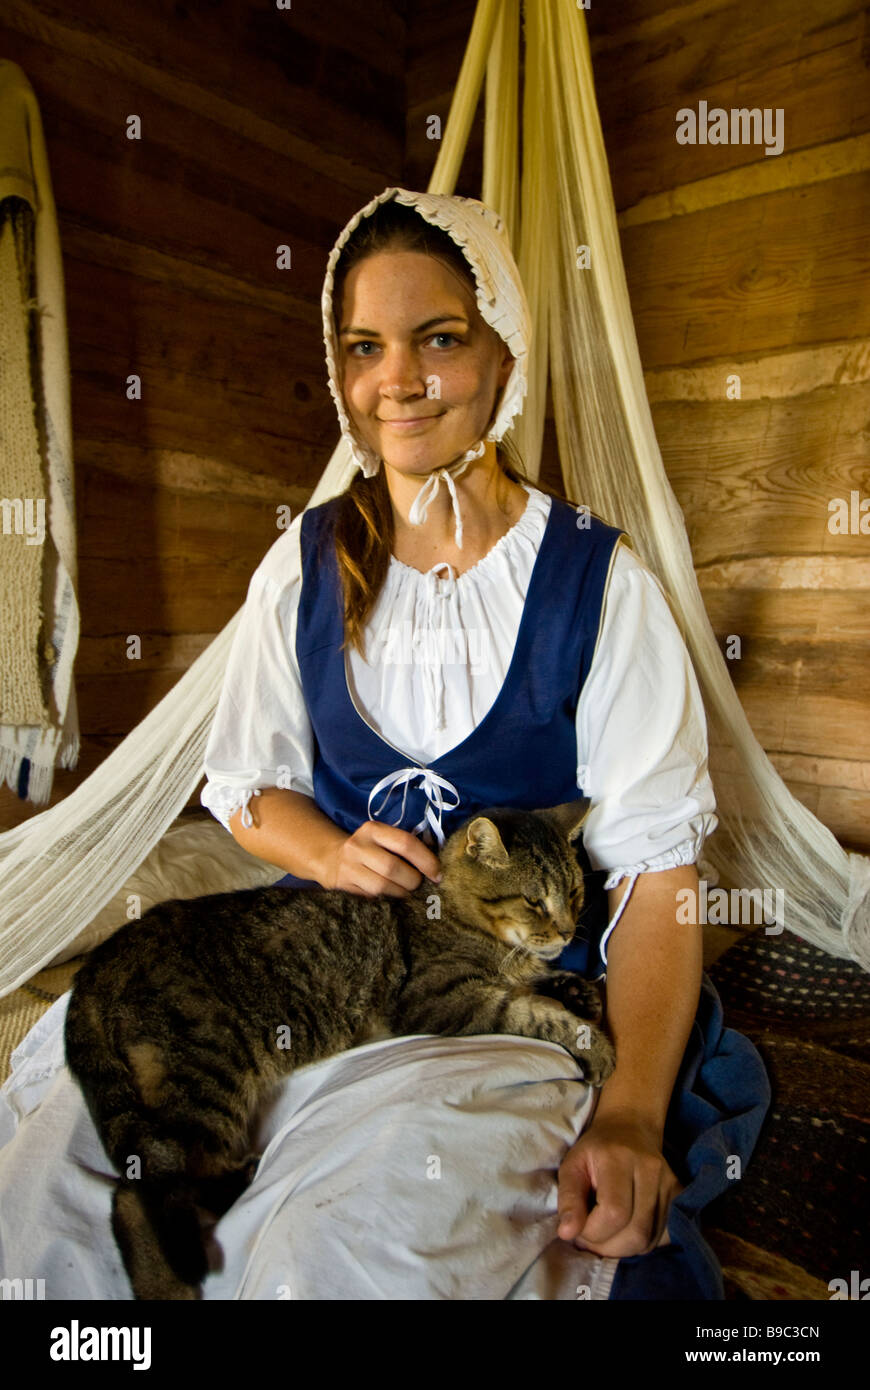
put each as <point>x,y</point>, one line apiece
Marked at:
<point>289,831</point>
<point>654,968</point>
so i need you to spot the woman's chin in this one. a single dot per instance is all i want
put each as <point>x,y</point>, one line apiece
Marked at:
<point>418,463</point>
<point>419,460</point>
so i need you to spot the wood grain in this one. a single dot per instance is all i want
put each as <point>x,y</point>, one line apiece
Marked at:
<point>262,128</point>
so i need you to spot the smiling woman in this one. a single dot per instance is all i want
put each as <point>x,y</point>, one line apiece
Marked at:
<point>422,376</point>
<point>587,686</point>
<point>424,400</point>
<point>350,771</point>
<point>419,398</point>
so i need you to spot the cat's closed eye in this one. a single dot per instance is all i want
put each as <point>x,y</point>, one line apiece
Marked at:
<point>534,902</point>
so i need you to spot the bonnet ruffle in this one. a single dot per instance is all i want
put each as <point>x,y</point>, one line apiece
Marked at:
<point>481,234</point>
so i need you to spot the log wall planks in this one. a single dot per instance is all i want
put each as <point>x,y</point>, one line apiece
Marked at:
<point>260,127</point>
<point>744,265</point>
<point>739,265</point>
<point>756,265</point>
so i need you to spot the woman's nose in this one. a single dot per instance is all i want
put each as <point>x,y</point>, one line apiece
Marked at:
<point>401,375</point>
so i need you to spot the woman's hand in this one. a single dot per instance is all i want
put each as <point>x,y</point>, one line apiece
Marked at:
<point>379,858</point>
<point>653,983</point>
<point>619,1158</point>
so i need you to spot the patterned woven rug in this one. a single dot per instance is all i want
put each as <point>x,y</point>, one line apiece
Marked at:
<point>20,1010</point>
<point>801,1216</point>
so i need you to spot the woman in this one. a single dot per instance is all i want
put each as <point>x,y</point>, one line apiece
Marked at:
<point>425,387</point>
<point>347,743</point>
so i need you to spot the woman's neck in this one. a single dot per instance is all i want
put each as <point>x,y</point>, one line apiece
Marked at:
<point>489,501</point>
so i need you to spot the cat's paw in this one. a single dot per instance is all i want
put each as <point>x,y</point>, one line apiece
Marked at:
<point>595,1053</point>
<point>579,996</point>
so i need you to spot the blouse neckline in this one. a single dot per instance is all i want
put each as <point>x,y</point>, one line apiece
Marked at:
<point>521,644</point>
<point>525,525</point>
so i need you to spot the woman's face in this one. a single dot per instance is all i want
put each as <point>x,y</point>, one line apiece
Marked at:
<point>420,368</point>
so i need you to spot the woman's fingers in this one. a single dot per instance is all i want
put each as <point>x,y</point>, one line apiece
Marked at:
<point>633,1187</point>
<point>575,1185</point>
<point>635,1229</point>
<point>617,1212</point>
<point>380,858</point>
<point>405,848</point>
<point>671,1188</point>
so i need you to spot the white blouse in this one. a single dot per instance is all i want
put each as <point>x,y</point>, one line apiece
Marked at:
<point>439,648</point>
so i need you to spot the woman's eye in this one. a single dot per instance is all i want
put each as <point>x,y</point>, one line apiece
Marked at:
<point>441,341</point>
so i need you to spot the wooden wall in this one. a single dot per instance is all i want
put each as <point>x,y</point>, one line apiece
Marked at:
<point>263,126</point>
<point>757,265</point>
<point>260,127</point>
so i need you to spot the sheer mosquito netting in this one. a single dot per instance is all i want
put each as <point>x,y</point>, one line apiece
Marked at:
<point>61,867</point>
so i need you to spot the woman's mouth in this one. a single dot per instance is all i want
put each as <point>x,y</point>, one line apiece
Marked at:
<point>417,423</point>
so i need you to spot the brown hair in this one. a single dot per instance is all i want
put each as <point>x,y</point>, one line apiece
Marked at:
<point>364,523</point>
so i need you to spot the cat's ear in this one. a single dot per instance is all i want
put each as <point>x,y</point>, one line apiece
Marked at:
<point>569,817</point>
<point>483,842</point>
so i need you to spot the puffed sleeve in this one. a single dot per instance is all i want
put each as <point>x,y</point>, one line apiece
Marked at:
<point>261,735</point>
<point>642,735</point>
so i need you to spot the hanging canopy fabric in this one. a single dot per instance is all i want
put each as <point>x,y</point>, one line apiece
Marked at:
<point>60,868</point>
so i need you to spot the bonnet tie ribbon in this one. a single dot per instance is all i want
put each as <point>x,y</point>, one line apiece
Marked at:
<point>421,503</point>
<point>431,785</point>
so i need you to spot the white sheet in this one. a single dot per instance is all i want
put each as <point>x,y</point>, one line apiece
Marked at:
<point>346,1202</point>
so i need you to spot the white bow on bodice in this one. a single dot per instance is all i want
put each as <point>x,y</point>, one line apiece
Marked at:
<point>431,784</point>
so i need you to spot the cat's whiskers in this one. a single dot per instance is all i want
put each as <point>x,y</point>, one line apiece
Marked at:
<point>503,967</point>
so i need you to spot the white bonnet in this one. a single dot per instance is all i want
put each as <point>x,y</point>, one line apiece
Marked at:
<point>481,234</point>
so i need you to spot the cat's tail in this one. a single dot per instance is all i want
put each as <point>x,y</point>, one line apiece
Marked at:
<point>159,1208</point>
<point>161,1227</point>
<point>158,1231</point>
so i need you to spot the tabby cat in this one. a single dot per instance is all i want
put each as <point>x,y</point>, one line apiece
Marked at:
<point>180,1025</point>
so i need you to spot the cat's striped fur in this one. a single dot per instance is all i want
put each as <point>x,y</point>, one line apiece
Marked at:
<point>178,1025</point>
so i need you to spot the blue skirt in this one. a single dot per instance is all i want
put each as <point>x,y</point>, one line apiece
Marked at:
<point>720,1099</point>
